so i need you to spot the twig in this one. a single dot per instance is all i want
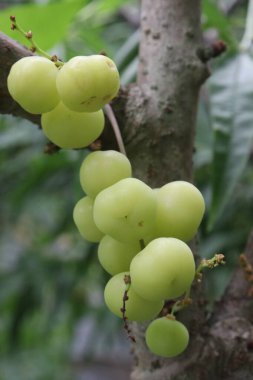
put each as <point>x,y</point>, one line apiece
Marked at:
<point>110,114</point>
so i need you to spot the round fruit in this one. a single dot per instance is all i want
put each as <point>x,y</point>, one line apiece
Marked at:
<point>114,256</point>
<point>83,218</point>
<point>69,129</point>
<point>125,210</point>
<point>32,83</point>
<point>167,337</point>
<point>137,309</point>
<point>86,84</point>
<point>180,209</point>
<point>102,169</point>
<point>164,269</point>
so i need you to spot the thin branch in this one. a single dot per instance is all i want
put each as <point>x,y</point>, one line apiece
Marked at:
<point>111,116</point>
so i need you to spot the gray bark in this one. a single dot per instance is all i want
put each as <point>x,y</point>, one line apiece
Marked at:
<point>159,132</point>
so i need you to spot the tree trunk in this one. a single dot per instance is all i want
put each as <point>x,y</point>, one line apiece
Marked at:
<point>159,133</point>
<point>157,116</point>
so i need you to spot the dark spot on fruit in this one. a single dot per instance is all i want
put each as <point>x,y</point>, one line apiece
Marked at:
<point>107,97</point>
<point>140,224</point>
<point>89,101</point>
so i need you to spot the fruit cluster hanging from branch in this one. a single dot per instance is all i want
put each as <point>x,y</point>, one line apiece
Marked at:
<point>142,232</point>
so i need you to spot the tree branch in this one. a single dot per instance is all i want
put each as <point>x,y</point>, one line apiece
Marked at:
<point>159,133</point>
<point>162,109</point>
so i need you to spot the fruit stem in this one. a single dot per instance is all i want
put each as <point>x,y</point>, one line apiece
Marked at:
<point>34,47</point>
<point>127,280</point>
<point>111,116</point>
<point>211,263</point>
<point>181,304</point>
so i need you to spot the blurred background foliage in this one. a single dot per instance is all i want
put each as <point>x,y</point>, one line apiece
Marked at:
<point>53,324</point>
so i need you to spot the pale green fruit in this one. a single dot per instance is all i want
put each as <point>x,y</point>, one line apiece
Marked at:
<point>167,337</point>
<point>137,309</point>
<point>87,83</point>
<point>114,256</point>
<point>83,218</point>
<point>164,269</point>
<point>180,209</point>
<point>32,83</point>
<point>125,210</point>
<point>69,129</point>
<point>102,169</point>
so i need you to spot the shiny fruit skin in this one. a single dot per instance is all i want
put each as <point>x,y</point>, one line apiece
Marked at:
<point>83,218</point>
<point>164,269</point>
<point>115,256</point>
<point>137,309</point>
<point>125,210</point>
<point>32,83</point>
<point>166,337</point>
<point>180,209</point>
<point>71,130</point>
<point>87,83</point>
<point>102,169</point>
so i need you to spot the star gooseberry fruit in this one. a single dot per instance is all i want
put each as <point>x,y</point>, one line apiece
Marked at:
<point>180,208</point>
<point>87,83</point>
<point>125,210</point>
<point>102,169</point>
<point>167,337</point>
<point>137,308</point>
<point>83,218</point>
<point>164,269</point>
<point>69,129</point>
<point>32,83</point>
<point>115,256</point>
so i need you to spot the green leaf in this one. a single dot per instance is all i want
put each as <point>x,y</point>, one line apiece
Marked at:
<point>91,31</point>
<point>214,18</point>
<point>231,102</point>
<point>128,50</point>
<point>48,22</point>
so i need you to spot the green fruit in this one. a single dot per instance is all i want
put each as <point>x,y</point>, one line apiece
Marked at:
<point>32,83</point>
<point>167,337</point>
<point>86,84</point>
<point>137,309</point>
<point>180,209</point>
<point>102,169</point>
<point>125,210</point>
<point>83,218</point>
<point>69,129</point>
<point>164,269</point>
<point>114,256</point>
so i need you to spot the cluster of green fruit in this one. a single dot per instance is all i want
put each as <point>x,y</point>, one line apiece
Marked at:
<point>69,96</point>
<point>141,234</point>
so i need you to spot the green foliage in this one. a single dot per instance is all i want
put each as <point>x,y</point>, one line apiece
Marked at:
<point>231,100</point>
<point>214,18</point>
<point>32,17</point>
